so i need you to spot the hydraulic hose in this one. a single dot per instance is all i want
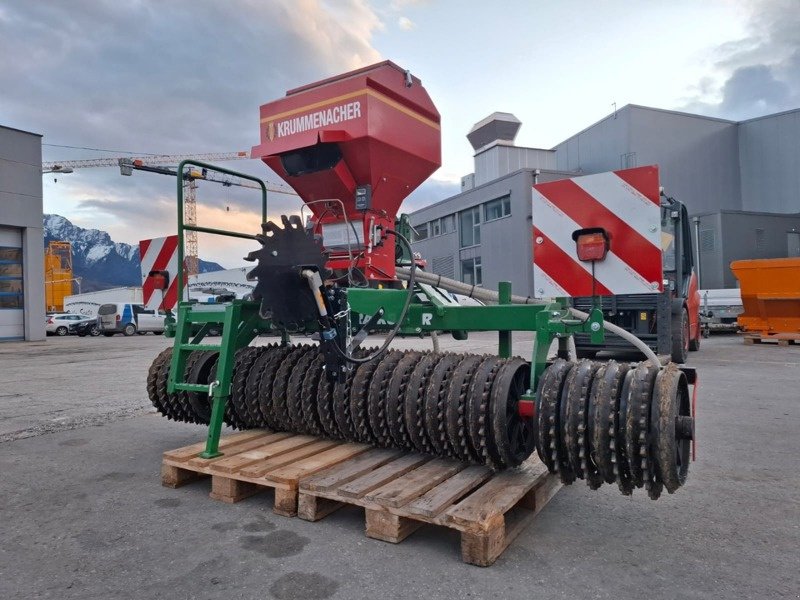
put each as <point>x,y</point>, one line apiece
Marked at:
<point>458,287</point>
<point>412,278</point>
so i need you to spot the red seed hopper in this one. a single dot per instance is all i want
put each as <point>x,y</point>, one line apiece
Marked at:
<point>353,147</point>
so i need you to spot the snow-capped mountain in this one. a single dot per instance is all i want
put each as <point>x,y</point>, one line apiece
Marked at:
<point>99,260</point>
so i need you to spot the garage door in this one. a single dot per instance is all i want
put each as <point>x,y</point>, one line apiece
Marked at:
<point>12,320</point>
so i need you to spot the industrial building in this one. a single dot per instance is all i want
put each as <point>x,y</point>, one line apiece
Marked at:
<point>739,180</point>
<point>22,302</point>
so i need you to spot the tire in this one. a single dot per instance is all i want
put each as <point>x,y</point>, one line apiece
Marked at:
<point>129,329</point>
<point>94,331</point>
<point>62,331</point>
<point>694,345</point>
<point>680,337</point>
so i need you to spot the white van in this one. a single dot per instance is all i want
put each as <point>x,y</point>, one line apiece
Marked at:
<point>127,318</point>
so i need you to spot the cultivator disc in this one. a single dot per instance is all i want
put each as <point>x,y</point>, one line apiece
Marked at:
<point>448,405</point>
<point>616,423</point>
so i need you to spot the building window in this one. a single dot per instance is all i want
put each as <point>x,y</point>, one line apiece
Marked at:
<point>471,272</point>
<point>420,232</point>
<point>470,227</point>
<point>435,228</point>
<point>497,209</point>
<point>448,224</point>
<point>11,290</point>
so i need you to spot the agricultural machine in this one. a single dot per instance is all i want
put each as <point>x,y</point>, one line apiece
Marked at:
<point>353,147</point>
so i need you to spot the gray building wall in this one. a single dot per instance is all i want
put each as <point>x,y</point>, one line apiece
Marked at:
<point>21,209</point>
<point>697,156</point>
<point>726,236</point>
<point>769,155</point>
<point>506,243</point>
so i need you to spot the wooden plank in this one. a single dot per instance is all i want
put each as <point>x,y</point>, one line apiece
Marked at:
<point>259,469</point>
<point>545,491</point>
<point>499,494</point>
<point>236,451</point>
<point>446,493</point>
<point>229,441</point>
<point>291,473</point>
<point>345,472</point>
<point>373,480</point>
<point>388,527</point>
<point>413,484</point>
<point>314,508</point>
<point>277,443</point>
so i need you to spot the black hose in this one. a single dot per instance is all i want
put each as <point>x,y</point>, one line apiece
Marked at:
<point>409,297</point>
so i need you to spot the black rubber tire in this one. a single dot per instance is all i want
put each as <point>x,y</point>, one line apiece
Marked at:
<point>637,421</point>
<point>603,417</point>
<point>435,397</point>
<point>548,398</point>
<point>414,403</point>
<point>670,400</point>
<point>200,374</point>
<point>129,330</point>
<point>94,331</point>
<point>455,421</point>
<point>680,337</point>
<point>294,391</point>
<point>62,331</point>
<point>513,437</point>
<point>477,409</point>
<point>395,398</point>
<point>376,399</point>
<point>694,345</point>
<point>578,388</point>
<point>280,384</point>
<point>623,467</point>
<point>359,401</point>
<point>266,377</point>
<point>152,379</point>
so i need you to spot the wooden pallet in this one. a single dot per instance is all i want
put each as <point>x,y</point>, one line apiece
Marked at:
<point>399,492</point>
<point>255,460</point>
<point>402,492</point>
<point>782,339</point>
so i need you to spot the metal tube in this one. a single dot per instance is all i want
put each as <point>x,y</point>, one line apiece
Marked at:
<point>491,296</point>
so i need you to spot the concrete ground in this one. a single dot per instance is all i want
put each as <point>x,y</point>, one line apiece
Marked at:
<point>84,516</point>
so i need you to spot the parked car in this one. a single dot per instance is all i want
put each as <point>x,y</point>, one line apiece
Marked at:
<point>58,323</point>
<point>84,328</point>
<point>127,318</point>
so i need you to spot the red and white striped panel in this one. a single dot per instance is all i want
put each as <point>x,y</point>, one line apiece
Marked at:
<point>159,254</point>
<point>626,204</point>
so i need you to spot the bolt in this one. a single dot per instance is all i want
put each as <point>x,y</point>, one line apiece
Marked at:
<point>540,240</point>
<point>418,329</point>
<point>540,290</point>
<point>595,326</point>
<point>274,253</point>
<point>654,285</point>
<point>652,227</point>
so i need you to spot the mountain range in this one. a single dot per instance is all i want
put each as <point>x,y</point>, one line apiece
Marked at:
<point>101,262</point>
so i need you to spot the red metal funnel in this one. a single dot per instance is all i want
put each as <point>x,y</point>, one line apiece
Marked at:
<point>373,127</point>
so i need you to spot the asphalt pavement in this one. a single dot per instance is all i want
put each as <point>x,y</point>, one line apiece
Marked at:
<point>84,515</point>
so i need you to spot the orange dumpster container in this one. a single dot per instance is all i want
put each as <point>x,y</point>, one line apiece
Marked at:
<point>770,295</point>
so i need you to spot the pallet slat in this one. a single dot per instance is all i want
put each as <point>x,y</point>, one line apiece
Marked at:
<point>366,483</point>
<point>348,471</point>
<point>413,484</point>
<point>443,495</point>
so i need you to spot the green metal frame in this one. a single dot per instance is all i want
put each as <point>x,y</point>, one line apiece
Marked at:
<point>239,319</point>
<point>241,322</point>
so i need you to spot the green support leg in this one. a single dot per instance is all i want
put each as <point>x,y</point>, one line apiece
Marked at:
<point>504,342</point>
<point>221,391</point>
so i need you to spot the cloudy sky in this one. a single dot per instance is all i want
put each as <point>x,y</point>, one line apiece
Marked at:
<point>180,76</point>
